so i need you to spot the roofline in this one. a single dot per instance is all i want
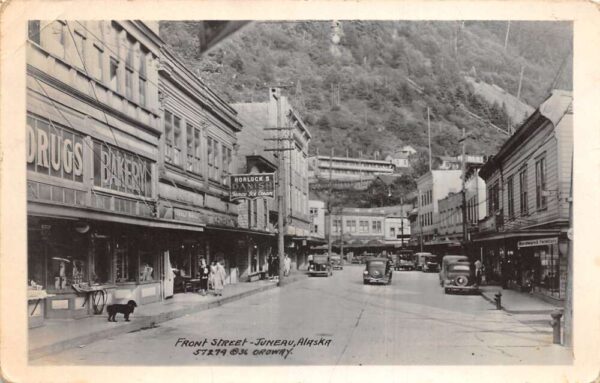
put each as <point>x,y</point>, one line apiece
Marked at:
<point>352,159</point>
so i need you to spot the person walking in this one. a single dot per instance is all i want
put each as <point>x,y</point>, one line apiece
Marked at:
<point>219,278</point>
<point>287,265</point>
<point>204,273</point>
<point>478,270</point>
<point>276,267</point>
<point>212,275</point>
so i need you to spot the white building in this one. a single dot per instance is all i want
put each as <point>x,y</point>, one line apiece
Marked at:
<point>346,168</point>
<point>397,229</point>
<point>317,218</point>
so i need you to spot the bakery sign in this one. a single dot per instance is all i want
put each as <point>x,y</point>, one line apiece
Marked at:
<point>537,242</point>
<point>122,171</point>
<point>251,186</point>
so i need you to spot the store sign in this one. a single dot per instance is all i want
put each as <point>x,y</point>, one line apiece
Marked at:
<point>121,171</point>
<point>538,242</point>
<point>186,215</point>
<point>54,151</point>
<point>250,186</point>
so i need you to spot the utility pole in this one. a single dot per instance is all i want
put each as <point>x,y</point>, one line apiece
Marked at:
<point>520,82</point>
<point>568,332</point>
<point>464,191</point>
<point>280,149</point>
<point>341,234</point>
<point>429,137</point>
<point>401,223</point>
<point>507,33</point>
<point>329,209</point>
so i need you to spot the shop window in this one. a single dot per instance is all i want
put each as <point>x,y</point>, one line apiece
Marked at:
<point>101,262</point>
<point>540,183</point>
<point>66,260</point>
<point>125,264</point>
<point>148,266</point>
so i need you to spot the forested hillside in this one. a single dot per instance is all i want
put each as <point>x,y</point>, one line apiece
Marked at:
<point>366,85</point>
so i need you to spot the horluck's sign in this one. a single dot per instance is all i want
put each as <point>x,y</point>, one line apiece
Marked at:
<point>250,186</point>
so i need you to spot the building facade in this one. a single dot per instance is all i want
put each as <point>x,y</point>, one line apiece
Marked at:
<point>93,139</point>
<point>523,238</point>
<point>286,129</point>
<point>346,168</point>
<point>196,152</point>
<point>317,219</point>
<point>432,186</point>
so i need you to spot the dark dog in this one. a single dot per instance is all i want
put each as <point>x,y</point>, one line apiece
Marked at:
<point>114,309</point>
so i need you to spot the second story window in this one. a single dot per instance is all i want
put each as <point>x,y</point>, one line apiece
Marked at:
<point>226,153</point>
<point>194,149</point>
<point>364,226</point>
<point>351,226</point>
<point>33,30</point>
<point>114,74</point>
<point>540,183</point>
<point>168,136</point>
<point>80,46</point>
<point>511,197</point>
<point>177,145</point>
<point>523,191</point>
<point>97,62</point>
<point>142,83</point>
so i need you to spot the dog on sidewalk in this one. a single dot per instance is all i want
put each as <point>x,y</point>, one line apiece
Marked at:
<point>125,309</point>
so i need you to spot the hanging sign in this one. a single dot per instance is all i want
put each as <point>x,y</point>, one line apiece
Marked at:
<point>251,186</point>
<point>537,242</point>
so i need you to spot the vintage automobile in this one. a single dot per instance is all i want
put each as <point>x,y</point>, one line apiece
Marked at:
<point>320,265</point>
<point>447,259</point>
<point>336,262</point>
<point>405,261</point>
<point>378,270</point>
<point>430,264</point>
<point>459,278</point>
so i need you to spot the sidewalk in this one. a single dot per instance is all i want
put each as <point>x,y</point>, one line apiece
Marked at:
<point>516,302</point>
<point>60,334</point>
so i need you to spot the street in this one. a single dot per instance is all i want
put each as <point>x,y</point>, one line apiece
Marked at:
<point>334,321</point>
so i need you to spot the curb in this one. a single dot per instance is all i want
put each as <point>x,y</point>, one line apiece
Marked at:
<point>144,322</point>
<point>484,294</point>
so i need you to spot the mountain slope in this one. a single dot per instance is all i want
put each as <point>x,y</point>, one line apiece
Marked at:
<point>366,86</point>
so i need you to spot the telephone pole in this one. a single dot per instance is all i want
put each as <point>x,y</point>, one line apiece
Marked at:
<point>280,149</point>
<point>464,191</point>
<point>429,137</point>
<point>329,209</point>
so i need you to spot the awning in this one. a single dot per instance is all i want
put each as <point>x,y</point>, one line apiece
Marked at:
<point>514,235</point>
<point>63,212</point>
<point>240,230</point>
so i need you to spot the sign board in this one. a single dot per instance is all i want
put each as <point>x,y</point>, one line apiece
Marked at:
<point>537,242</point>
<point>251,186</point>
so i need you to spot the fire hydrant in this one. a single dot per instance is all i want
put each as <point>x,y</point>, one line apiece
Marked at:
<point>555,323</point>
<point>498,300</point>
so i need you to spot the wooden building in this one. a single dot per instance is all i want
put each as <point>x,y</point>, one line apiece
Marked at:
<point>523,238</point>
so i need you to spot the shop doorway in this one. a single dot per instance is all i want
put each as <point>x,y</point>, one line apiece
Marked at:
<point>168,280</point>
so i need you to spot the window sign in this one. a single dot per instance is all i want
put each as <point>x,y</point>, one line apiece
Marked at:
<point>250,186</point>
<point>121,171</point>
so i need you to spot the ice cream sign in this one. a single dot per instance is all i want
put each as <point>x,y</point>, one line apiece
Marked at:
<point>250,186</point>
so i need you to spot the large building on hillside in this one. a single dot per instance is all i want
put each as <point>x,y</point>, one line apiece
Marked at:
<point>523,237</point>
<point>294,139</point>
<point>347,168</point>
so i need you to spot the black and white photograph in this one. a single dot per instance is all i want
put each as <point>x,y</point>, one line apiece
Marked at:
<point>300,192</point>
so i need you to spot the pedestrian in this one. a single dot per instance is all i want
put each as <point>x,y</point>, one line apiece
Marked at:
<point>478,271</point>
<point>270,267</point>
<point>204,274</point>
<point>276,267</point>
<point>212,275</point>
<point>287,265</point>
<point>219,278</point>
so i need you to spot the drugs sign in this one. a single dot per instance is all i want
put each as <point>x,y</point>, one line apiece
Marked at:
<point>250,186</point>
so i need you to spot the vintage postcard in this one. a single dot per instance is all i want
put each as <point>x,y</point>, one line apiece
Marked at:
<point>299,191</point>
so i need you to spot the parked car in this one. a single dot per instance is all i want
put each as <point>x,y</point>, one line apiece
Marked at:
<point>336,262</point>
<point>430,264</point>
<point>459,277</point>
<point>447,259</point>
<point>420,260</point>
<point>320,266</point>
<point>378,270</point>
<point>405,261</point>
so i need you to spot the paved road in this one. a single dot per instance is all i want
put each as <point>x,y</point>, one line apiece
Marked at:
<point>410,322</point>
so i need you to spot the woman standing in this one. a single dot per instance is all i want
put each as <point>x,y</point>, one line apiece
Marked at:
<point>212,276</point>
<point>219,279</point>
<point>204,273</point>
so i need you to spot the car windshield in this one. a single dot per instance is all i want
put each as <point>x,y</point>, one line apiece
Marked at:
<point>376,264</point>
<point>459,267</point>
<point>320,259</point>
